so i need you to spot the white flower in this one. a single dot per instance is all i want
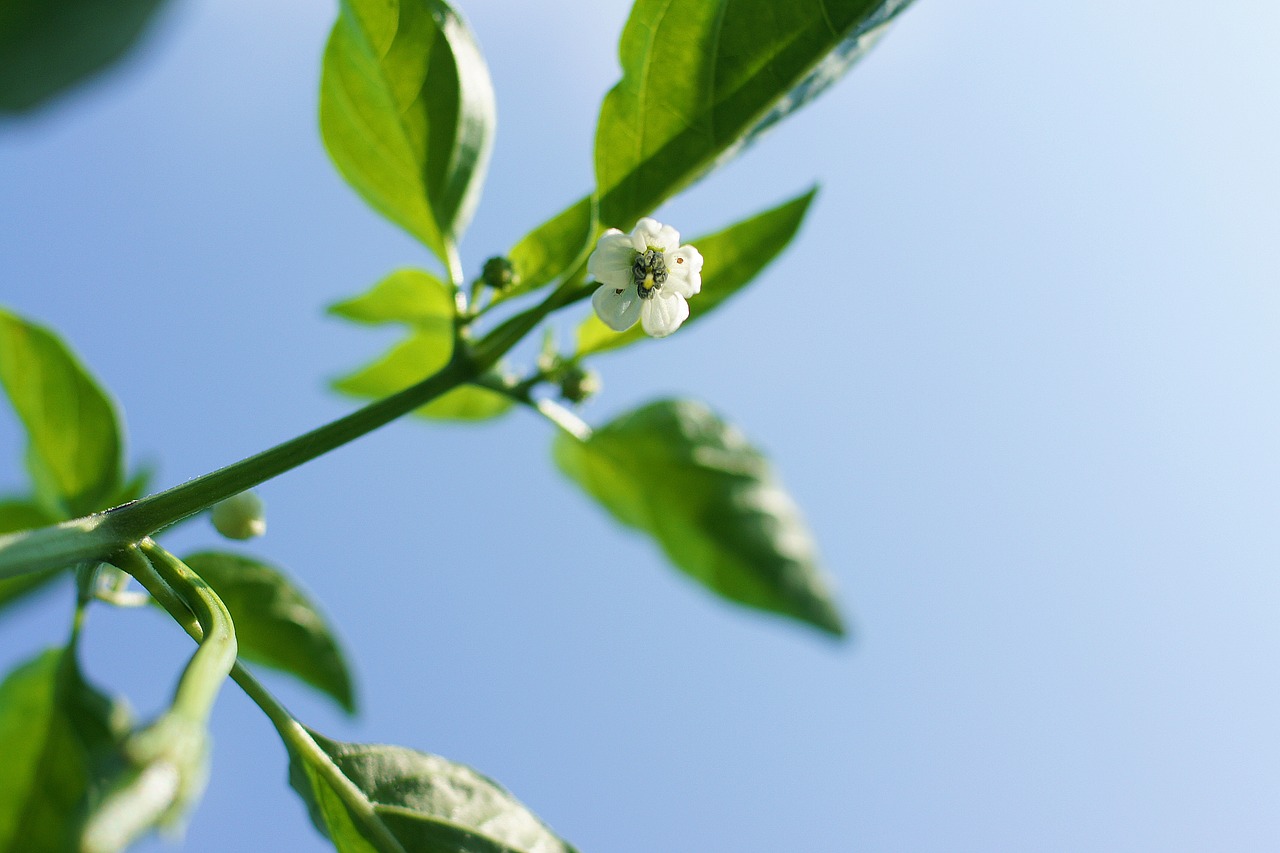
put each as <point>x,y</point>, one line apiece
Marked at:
<point>645,275</point>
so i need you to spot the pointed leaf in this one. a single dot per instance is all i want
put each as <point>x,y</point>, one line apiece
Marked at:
<point>74,434</point>
<point>732,260</point>
<point>413,360</point>
<point>675,471</point>
<point>700,80</point>
<point>47,46</point>
<point>407,113</point>
<point>55,732</point>
<point>405,296</point>
<point>277,625</point>
<point>429,804</point>
<point>549,251</point>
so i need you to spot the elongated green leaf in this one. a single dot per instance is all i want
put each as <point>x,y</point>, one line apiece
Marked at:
<point>47,46</point>
<point>675,471</point>
<point>732,259</point>
<point>548,251</point>
<point>74,435</point>
<point>413,360</point>
<point>429,804</point>
<point>407,113</point>
<point>15,516</point>
<point>700,80</point>
<point>276,623</point>
<point>405,296</point>
<point>55,730</point>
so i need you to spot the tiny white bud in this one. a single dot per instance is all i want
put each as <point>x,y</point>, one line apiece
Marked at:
<point>240,516</point>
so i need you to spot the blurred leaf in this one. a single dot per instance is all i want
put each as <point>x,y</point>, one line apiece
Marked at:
<point>74,435</point>
<point>411,361</point>
<point>429,804</point>
<point>47,46</point>
<point>55,733</point>
<point>680,474</point>
<point>405,296</point>
<point>548,251</point>
<point>700,80</point>
<point>732,259</point>
<point>276,624</point>
<point>407,113</point>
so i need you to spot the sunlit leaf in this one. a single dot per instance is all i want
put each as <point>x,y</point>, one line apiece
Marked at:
<point>55,733</point>
<point>732,259</point>
<point>675,471</point>
<point>427,803</point>
<point>411,361</point>
<point>276,623</point>
<point>405,296</point>
<point>74,436</point>
<point>700,80</point>
<point>407,113</point>
<point>47,46</point>
<point>549,250</point>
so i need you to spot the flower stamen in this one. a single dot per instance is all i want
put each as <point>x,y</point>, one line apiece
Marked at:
<point>650,272</point>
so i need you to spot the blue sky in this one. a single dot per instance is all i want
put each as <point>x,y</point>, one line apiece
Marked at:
<point>1020,370</point>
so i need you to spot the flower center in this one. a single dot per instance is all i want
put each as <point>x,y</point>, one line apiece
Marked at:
<point>649,271</point>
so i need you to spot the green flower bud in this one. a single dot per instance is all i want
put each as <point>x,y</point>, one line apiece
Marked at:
<point>577,384</point>
<point>240,516</point>
<point>498,273</point>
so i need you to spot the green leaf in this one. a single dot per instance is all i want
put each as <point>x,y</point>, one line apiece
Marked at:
<point>411,361</point>
<point>47,46</point>
<point>549,251</point>
<point>74,449</point>
<point>56,733</point>
<point>429,804</point>
<point>277,625</point>
<point>700,80</point>
<point>675,471</point>
<point>407,113</point>
<point>405,296</point>
<point>732,259</point>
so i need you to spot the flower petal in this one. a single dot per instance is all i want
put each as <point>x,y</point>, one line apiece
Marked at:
<point>652,234</point>
<point>617,308</point>
<point>611,261</point>
<point>663,314</point>
<point>684,270</point>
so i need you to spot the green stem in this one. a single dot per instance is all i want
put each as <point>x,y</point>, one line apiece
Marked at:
<point>291,731</point>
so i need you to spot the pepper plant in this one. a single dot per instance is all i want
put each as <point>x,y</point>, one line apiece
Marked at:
<point>407,115</point>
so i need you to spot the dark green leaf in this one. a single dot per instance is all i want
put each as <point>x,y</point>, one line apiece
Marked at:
<point>47,46</point>
<point>732,259</point>
<point>56,732</point>
<point>413,360</point>
<point>548,251</point>
<point>683,476</point>
<point>407,113</point>
<point>429,804</point>
<point>405,296</point>
<point>74,435</point>
<point>276,624</point>
<point>700,80</point>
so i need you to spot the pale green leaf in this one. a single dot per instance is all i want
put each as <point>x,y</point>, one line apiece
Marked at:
<point>411,361</point>
<point>732,259</point>
<point>702,78</point>
<point>549,251</point>
<point>407,113</point>
<point>429,804</point>
<point>405,296</point>
<point>277,625</point>
<point>675,471</point>
<point>74,435</point>
<point>47,46</point>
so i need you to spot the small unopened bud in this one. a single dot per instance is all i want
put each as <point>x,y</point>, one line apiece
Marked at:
<point>240,516</point>
<point>577,385</point>
<point>498,273</point>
